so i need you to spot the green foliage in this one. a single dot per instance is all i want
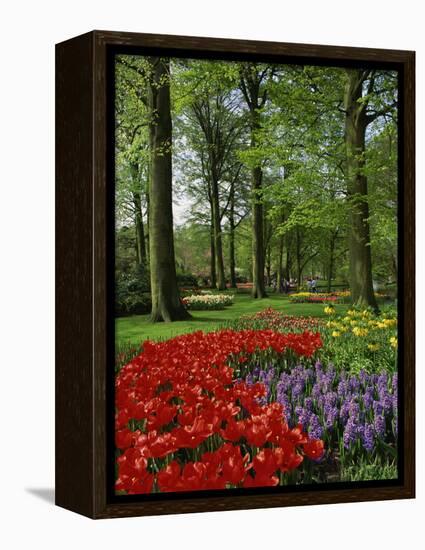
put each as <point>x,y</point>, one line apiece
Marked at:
<point>296,136</point>
<point>132,292</point>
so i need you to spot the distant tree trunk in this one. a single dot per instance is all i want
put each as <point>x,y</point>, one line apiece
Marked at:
<point>330,267</point>
<point>213,272</point>
<point>361,283</point>
<point>232,236</point>
<point>394,263</point>
<point>288,260</point>
<point>279,280</point>
<point>166,304</point>
<point>218,244</point>
<point>147,226</point>
<point>258,289</point>
<point>298,257</point>
<point>140,233</point>
<point>268,265</point>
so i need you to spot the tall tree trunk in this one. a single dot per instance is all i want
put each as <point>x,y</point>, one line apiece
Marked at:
<point>218,244</point>
<point>298,258</point>
<point>147,247</point>
<point>279,276</point>
<point>269,265</point>
<point>140,233</point>
<point>251,80</point>
<point>330,266</point>
<point>166,304</point>
<point>213,271</point>
<point>258,288</point>
<point>288,263</point>
<point>361,284</point>
<point>232,237</point>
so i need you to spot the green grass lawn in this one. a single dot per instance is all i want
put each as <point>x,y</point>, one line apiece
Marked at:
<point>137,328</point>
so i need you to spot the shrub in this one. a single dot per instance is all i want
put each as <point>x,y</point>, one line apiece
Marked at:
<point>133,304</point>
<point>187,279</point>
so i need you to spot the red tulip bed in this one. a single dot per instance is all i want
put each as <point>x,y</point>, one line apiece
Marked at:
<point>186,420</point>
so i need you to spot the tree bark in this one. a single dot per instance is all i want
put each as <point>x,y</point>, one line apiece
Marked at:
<point>140,233</point>
<point>331,259</point>
<point>279,276</point>
<point>250,85</point>
<point>232,261</point>
<point>258,288</point>
<point>298,257</point>
<point>166,304</point>
<point>213,271</point>
<point>361,283</point>
<point>269,265</point>
<point>218,243</point>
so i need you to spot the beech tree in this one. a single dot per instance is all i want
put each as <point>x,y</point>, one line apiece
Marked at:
<point>166,303</point>
<point>361,109</point>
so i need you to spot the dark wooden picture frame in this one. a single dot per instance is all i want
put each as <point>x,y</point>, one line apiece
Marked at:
<point>83,228</point>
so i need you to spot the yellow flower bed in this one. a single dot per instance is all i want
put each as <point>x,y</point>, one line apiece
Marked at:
<point>360,339</point>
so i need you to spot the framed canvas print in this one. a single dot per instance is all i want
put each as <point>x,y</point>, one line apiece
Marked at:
<point>235,274</point>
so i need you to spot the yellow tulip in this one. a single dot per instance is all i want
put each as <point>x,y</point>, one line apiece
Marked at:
<point>358,331</point>
<point>373,347</point>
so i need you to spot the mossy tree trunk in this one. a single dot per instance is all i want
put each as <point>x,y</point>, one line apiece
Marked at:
<point>140,232</point>
<point>332,244</point>
<point>213,271</point>
<point>252,79</point>
<point>279,275</point>
<point>360,255</point>
<point>232,262</point>
<point>166,303</point>
<point>218,241</point>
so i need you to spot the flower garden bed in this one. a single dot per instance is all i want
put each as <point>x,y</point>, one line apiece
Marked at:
<point>336,297</point>
<point>208,301</point>
<point>184,422</point>
<point>273,400</point>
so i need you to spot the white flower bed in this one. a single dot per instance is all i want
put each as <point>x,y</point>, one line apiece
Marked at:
<point>208,301</point>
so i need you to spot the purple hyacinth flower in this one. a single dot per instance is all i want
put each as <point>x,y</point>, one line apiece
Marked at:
<point>368,437</point>
<point>368,397</point>
<point>395,404</point>
<point>315,430</point>
<point>382,381</point>
<point>331,418</point>
<point>354,384</point>
<point>387,403</point>
<point>297,389</point>
<point>353,409</point>
<point>316,392</point>
<point>256,371</point>
<point>378,409</point>
<point>363,377</point>
<point>379,425</point>
<point>285,381</point>
<point>303,416</point>
<point>350,433</point>
<point>342,388</point>
<point>308,404</point>
<point>394,382</point>
<point>344,411</point>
